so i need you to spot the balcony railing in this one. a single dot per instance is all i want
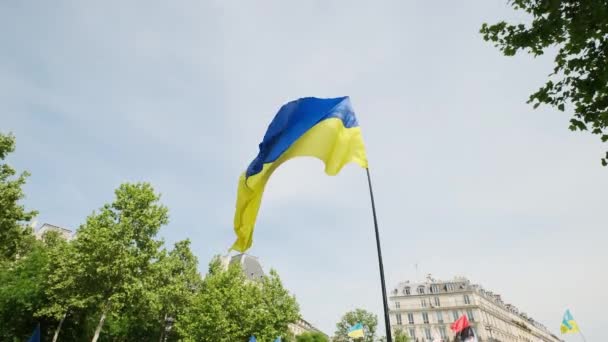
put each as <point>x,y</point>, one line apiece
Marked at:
<point>444,304</point>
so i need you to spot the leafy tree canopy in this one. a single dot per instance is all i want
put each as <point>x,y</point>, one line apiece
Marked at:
<point>312,337</point>
<point>578,30</point>
<point>114,281</point>
<point>230,307</point>
<point>15,235</point>
<point>22,289</point>
<point>366,318</point>
<point>400,336</point>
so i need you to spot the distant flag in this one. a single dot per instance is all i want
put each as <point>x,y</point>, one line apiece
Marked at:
<point>462,328</point>
<point>36,335</point>
<point>569,325</point>
<point>323,128</point>
<point>252,339</point>
<point>356,331</point>
<point>460,324</point>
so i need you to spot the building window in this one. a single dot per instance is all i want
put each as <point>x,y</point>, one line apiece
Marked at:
<point>467,300</point>
<point>397,305</point>
<point>450,287</point>
<point>443,333</point>
<point>399,319</point>
<point>437,303</point>
<point>407,291</point>
<point>470,315</point>
<point>425,317</point>
<point>427,333</point>
<point>423,302</point>
<point>434,289</point>
<point>413,334</point>
<point>421,290</point>
<point>439,317</point>
<point>410,318</point>
<point>455,315</point>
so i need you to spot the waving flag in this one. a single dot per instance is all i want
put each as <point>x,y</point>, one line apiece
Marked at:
<point>460,324</point>
<point>568,324</point>
<point>356,331</point>
<point>463,329</point>
<point>323,128</point>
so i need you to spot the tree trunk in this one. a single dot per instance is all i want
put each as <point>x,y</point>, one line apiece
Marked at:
<point>162,331</point>
<point>59,326</point>
<point>100,324</point>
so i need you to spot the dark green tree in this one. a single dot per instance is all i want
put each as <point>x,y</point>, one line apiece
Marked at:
<point>15,234</point>
<point>167,291</point>
<point>368,319</point>
<point>178,282</point>
<point>63,290</point>
<point>578,31</point>
<point>312,337</point>
<point>113,253</point>
<point>401,336</point>
<point>22,290</point>
<point>229,307</point>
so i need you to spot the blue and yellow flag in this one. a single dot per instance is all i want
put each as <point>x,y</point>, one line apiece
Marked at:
<point>323,128</point>
<point>568,324</point>
<point>356,331</point>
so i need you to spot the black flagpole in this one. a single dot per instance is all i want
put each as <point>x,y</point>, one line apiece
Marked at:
<point>387,322</point>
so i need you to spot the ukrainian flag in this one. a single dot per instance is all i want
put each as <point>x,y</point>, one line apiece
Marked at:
<point>356,331</point>
<point>323,128</point>
<point>568,324</point>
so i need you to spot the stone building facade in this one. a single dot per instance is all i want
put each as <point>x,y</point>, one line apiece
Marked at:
<point>46,227</point>
<point>425,311</point>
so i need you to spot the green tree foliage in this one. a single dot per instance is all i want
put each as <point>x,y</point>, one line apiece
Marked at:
<point>22,290</point>
<point>168,289</point>
<point>114,250</point>
<point>15,235</point>
<point>400,336</point>
<point>63,292</point>
<point>229,308</point>
<point>115,282</point>
<point>368,319</point>
<point>177,279</point>
<point>312,337</point>
<point>578,30</point>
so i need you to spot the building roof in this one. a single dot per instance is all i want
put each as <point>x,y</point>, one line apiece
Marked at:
<point>64,232</point>
<point>47,226</point>
<point>251,266</point>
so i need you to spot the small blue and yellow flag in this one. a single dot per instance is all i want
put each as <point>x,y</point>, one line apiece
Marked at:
<point>356,331</point>
<point>568,324</point>
<point>323,128</point>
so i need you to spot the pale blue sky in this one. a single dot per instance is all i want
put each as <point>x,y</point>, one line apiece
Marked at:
<point>469,179</point>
